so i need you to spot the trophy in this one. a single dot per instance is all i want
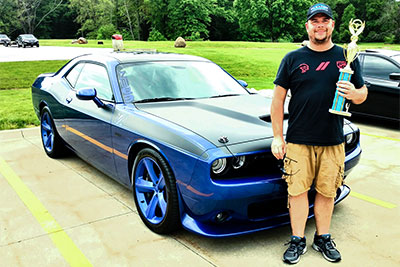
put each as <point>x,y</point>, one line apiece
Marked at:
<point>350,53</point>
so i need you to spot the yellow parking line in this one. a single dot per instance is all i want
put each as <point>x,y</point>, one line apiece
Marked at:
<point>373,200</point>
<point>382,137</point>
<point>63,242</point>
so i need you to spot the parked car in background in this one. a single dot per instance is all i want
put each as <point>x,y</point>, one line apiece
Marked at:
<point>381,72</point>
<point>190,141</point>
<point>4,40</point>
<point>24,40</point>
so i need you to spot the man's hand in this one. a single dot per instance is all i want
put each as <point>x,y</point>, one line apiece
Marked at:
<point>348,91</point>
<point>278,147</point>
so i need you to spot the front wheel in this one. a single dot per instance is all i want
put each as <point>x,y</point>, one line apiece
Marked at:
<point>52,142</point>
<point>154,191</point>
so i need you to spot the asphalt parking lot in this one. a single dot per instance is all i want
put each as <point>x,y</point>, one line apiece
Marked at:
<point>64,212</point>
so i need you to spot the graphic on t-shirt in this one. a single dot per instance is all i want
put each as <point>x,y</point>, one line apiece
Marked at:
<point>304,67</point>
<point>323,66</point>
<point>341,64</point>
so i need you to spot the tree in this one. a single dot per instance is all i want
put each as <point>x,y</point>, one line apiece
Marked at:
<point>157,14</point>
<point>189,18</point>
<point>274,20</point>
<point>374,11</point>
<point>28,10</point>
<point>348,14</point>
<point>390,22</point>
<point>224,22</point>
<point>8,11</point>
<point>253,16</point>
<point>287,19</point>
<point>92,14</point>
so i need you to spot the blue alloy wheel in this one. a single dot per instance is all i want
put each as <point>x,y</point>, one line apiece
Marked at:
<point>47,132</point>
<point>52,143</point>
<point>154,192</point>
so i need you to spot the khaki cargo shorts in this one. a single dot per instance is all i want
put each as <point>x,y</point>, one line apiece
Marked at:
<point>323,165</point>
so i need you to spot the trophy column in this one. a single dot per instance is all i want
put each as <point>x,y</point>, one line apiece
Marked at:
<point>339,101</point>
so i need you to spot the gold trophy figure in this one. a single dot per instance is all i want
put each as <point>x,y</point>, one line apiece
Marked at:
<point>350,53</point>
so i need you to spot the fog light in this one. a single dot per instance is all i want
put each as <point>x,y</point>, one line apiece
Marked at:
<point>238,162</point>
<point>221,217</point>
<point>218,166</point>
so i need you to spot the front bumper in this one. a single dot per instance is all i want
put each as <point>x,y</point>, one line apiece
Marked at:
<point>248,207</point>
<point>234,227</point>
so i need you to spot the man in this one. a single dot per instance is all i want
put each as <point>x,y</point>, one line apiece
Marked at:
<point>314,152</point>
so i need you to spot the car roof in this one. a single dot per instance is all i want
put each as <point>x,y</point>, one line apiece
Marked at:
<point>385,52</point>
<point>139,56</point>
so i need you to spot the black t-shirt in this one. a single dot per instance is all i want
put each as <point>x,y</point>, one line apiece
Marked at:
<point>311,77</point>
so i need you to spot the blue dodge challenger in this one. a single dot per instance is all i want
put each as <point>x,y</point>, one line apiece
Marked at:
<point>190,140</point>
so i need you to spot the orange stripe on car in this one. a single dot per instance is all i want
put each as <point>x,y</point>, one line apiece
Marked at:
<point>95,142</point>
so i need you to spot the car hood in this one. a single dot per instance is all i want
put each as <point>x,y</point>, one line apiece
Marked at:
<point>239,118</point>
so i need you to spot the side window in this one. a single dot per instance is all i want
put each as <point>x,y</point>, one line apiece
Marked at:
<point>73,74</point>
<point>378,67</point>
<point>95,76</point>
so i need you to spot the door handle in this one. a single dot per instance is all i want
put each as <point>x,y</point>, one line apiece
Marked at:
<point>68,99</point>
<point>367,83</point>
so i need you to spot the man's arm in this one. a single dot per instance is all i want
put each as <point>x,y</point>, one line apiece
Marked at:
<point>278,146</point>
<point>348,91</point>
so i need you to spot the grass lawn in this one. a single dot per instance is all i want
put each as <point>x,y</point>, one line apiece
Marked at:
<point>254,62</point>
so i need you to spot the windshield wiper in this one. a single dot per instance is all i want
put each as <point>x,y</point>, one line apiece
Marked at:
<point>161,99</point>
<point>215,96</point>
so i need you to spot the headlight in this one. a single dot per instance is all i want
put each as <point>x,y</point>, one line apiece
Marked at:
<point>218,166</point>
<point>349,138</point>
<point>238,162</point>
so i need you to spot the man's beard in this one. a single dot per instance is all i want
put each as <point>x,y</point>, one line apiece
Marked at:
<point>320,41</point>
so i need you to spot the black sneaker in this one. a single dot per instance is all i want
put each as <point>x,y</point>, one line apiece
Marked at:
<point>327,247</point>
<point>297,247</point>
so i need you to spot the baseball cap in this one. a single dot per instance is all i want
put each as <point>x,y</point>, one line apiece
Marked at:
<point>319,8</point>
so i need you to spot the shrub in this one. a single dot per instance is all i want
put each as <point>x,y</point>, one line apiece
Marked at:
<point>195,36</point>
<point>106,31</point>
<point>389,39</point>
<point>156,36</point>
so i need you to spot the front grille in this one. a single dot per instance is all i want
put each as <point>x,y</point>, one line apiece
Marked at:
<point>274,207</point>
<point>256,165</point>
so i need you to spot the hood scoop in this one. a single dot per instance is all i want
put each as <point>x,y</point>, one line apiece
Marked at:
<point>267,118</point>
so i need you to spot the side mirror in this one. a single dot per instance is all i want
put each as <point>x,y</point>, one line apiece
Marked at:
<point>394,76</point>
<point>86,94</point>
<point>89,94</point>
<point>243,83</point>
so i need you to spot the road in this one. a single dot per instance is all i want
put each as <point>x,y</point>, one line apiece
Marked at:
<point>8,54</point>
<point>95,219</point>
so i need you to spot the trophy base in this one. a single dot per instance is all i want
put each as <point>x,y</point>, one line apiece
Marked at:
<point>342,113</point>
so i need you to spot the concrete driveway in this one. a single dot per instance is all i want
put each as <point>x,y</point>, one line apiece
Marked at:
<point>64,212</point>
<point>14,53</point>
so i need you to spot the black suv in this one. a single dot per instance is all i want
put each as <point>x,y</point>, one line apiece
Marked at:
<point>25,40</point>
<point>381,72</point>
<point>4,40</point>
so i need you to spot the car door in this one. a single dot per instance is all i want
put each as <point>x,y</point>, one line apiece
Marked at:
<point>383,94</point>
<point>87,125</point>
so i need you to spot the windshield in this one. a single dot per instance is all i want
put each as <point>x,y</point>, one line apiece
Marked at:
<point>28,36</point>
<point>3,36</point>
<point>175,79</point>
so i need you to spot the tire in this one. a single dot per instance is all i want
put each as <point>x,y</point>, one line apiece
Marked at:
<point>154,192</point>
<point>52,143</point>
